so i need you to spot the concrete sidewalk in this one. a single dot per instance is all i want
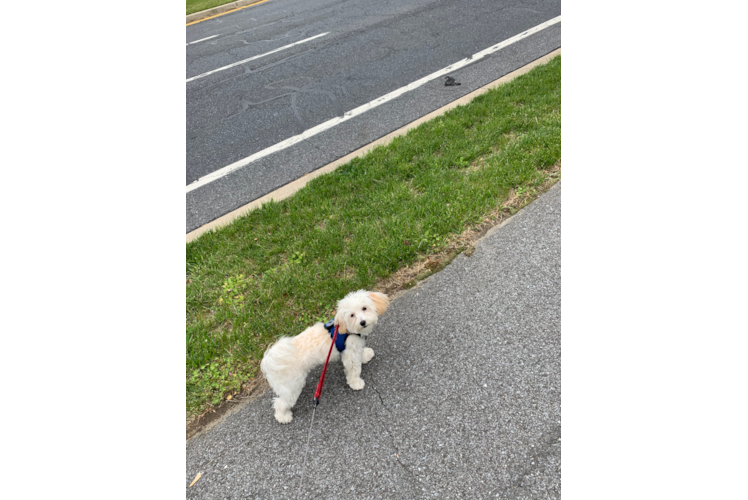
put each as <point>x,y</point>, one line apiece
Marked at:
<point>462,399</point>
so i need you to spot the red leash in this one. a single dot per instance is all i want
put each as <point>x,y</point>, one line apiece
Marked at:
<point>321,382</point>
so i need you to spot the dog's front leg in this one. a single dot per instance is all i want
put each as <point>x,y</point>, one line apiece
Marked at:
<point>352,365</point>
<point>368,354</point>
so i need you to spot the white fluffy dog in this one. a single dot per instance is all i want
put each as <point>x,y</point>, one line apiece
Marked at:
<point>287,363</point>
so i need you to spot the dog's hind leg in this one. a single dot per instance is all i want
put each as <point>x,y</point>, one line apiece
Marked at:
<point>282,410</point>
<point>287,396</point>
<point>288,392</point>
<point>286,374</point>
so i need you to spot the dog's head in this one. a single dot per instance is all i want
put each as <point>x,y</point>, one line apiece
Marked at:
<point>358,311</point>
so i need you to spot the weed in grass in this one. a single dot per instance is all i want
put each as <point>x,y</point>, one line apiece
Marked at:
<point>217,378</point>
<point>309,320</point>
<point>298,257</point>
<point>429,240</point>
<point>232,294</point>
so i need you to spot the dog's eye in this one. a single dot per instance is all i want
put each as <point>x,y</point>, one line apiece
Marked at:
<point>352,315</point>
<point>364,309</point>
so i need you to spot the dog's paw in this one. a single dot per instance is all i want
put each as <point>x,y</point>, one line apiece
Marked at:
<point>357,385</point>
<point>284,417</point>
<point>368,354</point>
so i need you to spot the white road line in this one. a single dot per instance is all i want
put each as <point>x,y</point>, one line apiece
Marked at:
<point>202,39</point>
<point>253,58</point>
<point>202,181</point>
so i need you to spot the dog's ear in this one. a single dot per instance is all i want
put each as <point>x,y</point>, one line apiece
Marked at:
<point>340,321</point>
<point>381,301</point>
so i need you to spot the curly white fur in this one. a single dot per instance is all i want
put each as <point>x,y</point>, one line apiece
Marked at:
<point>287,363</point>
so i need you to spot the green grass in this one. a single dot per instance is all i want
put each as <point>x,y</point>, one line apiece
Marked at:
<point>198,5</point>
<point>280,268</point>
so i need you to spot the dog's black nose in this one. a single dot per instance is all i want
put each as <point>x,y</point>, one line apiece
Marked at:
<point>363,322</point>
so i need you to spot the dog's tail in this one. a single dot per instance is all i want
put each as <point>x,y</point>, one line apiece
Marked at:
<point>279,358</point>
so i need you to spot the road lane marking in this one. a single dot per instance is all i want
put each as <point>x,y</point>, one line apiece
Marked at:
<point>255,57</point>
<point>202,39</point>
<point>213,176</point>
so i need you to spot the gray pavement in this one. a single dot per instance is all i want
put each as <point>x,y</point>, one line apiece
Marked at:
<point>462,400</point>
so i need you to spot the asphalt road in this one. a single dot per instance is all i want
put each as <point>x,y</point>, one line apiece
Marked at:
<point>462,398</point>
<point>370,48</point>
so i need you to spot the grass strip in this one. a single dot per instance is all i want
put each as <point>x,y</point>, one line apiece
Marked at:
<point>200,5</point>
<point>284,266</point>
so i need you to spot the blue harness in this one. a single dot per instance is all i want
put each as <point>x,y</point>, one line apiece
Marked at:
<point>340,339</point>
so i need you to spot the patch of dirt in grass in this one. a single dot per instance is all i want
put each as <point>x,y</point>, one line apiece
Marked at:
<point>479,164</point>
<point>347,274</point>
<point>413,190</point>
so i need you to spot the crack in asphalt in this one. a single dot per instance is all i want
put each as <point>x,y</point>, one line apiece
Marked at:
<point>544,450</point>
<point>203,91</point>
<point>392,439</point>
